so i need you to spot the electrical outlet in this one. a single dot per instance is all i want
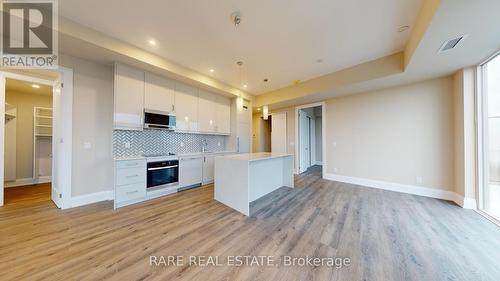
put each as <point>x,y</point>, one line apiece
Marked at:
<point>218,144</point>
<point>182,144</point>
<point>335,170</point>
<point>420,180</point>
<point>126,144</point>
<point>334,144</point>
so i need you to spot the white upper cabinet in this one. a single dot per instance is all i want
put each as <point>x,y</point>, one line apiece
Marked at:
<point>158,93</point>
<point>207,111</point>
<point>128,97</point>
<point>223,124</point>
<point>186,107</point>
<point>197,111</point>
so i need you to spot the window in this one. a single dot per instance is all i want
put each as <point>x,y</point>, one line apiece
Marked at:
<point>490,137</point>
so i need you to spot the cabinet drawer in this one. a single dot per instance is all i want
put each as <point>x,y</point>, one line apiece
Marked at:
<point>130,176</point>
<point>130,164</point>
<point>130,192</point>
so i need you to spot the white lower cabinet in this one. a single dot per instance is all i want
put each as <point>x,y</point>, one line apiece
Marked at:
<point>208,169</point>
<point>190,171</point>
<point>130,182</point>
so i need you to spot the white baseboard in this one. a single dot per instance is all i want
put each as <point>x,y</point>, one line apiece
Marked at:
<point>86,199</point>
<point>28,181</point>
<point>319,163</point>
<point>467,203</point>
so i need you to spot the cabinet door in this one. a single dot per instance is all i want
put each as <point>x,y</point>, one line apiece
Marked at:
<point>186,107</point>
<point>207,112</point>
<point>190,171</point>
<point>128,97</point>
<point>208,169</point>
<point>223,121</point>
<point>158,93</point>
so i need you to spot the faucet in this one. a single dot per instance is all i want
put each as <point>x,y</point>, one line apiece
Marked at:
<point>204,145</point>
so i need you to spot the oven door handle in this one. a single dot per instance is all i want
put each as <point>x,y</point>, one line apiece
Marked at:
<point>163,168</point>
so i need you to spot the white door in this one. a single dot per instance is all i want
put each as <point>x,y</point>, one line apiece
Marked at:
<point>304,142</point>
<point>57,157</point>
<point>279,133</point>
<point>62,139</point>
<point>312,141</point>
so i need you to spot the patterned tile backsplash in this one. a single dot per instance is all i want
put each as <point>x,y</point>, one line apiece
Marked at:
<point>159,141</point>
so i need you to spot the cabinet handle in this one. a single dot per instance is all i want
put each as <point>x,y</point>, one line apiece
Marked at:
<point>132,192</point>
<point>132,176</point>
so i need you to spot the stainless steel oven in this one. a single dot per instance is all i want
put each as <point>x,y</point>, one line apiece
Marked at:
<point>163,173</point>
<point>159,120</point>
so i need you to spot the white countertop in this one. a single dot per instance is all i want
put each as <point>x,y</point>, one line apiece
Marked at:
<point>127,158</point>
<point>256,156</point>
<point>194,154</point>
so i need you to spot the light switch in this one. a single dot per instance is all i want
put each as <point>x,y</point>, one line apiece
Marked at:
<point>87,145</point>
<point>218,144</point>
<point>334,144</point>
<point>182,144</point>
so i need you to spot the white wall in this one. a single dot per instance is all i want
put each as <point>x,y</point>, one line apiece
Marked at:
<point>92,123</point>
<point>395,135</point>
<point>465,145</point>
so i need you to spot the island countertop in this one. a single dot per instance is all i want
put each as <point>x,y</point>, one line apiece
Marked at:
<point>256,156</point>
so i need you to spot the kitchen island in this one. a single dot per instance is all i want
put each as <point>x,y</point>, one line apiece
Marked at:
<point>243,178</point>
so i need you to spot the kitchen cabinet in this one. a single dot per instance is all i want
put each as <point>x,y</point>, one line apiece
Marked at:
<point>214,113</point>
<point>130,182</point>
<point>159,93</point>
<point>186,108</point>
<point>208,168</point>
<point>128,97</point>
<point>207,114</point>
<point>190,171</point>
<point>223,124</point>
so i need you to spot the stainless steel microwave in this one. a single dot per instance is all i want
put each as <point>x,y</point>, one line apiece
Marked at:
<point>154,119</point>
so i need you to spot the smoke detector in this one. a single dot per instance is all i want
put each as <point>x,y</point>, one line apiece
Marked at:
<point>452,43</point>
<point>236,18</point>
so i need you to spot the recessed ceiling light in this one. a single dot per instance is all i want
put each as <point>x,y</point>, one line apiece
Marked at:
<point>212,70</point>
<point>152,42</point>
<point>258,109</point>
<point>245,86</point>
<point>35,86</point>
<point>403,28</point>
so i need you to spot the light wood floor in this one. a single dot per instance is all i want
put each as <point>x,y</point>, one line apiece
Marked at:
<point>387,236</point>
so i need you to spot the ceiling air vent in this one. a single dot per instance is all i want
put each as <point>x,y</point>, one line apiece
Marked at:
<point>452,43</point>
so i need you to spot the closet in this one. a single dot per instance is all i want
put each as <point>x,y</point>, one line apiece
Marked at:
<point>42,143</point>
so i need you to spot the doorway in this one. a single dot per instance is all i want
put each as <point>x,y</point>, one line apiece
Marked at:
<point>261,138</point>
<point>28,141</point>
<point>36,136</point>
<point>310,139</point>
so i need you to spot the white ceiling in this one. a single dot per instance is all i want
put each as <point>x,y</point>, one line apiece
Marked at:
<point>280,39</point>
